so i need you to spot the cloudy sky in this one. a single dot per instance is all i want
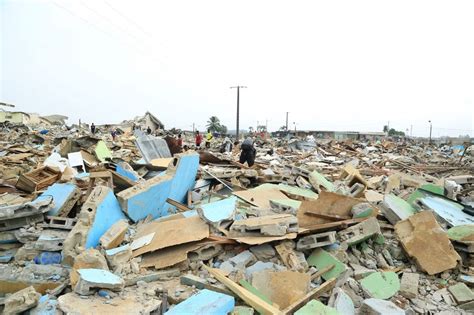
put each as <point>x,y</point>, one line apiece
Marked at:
<point>333,65</point>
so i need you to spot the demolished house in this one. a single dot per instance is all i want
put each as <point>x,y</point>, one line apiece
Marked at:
<point>94,226</point>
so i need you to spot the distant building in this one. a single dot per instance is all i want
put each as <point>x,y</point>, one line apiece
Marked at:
<point>19,118</point>
<point>337,135</point>
<point>54,119</point>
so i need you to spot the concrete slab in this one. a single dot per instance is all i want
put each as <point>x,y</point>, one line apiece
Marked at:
<point>461,292</point>
<point>205,302</point>
<point>409,285</point>
<point>97,279</point>
<point>395,208</point>
<point>102,152</point>
<point>100,211</point>
<point>64,196</point>
<point>380,307</point>
<point>149,197</point>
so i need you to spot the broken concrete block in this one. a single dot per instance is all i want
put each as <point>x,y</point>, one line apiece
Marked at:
<point>98,214</point>
<point>205,302</point>
<point>361,272</point>
<point>461,293</point>
<point>205,253</point>
<point>362,210</point>
<point>21,301</point>
<point>51,240</point>
<point>118,256</point>
<point>128,302</point>
<point>90,279</point>
<point>263,252</point>
<point>381,285</point>
<point>462,237</point>
<point>322,259</point>
<point>316,240</point>
<point>114,235</point>
<point>425,241</point>
<point>290,258</point>
<point>409,285</point>
<point>315,307</point>
<point>46,306</point>
<point>271,225</point>
<point>24,214</point>
<point>240,261</point>
<point>217,211</point>
<point>288,206</point>
<point>360,232</point>
<point>64,196</point>
<point>149,197</point>
<point>341,302</point>
<point>90,258</point>
<point>27,252</point>
<point>396,209</point>
<point>320,182</point>
<point>261,266</point>
<point>380,307</point>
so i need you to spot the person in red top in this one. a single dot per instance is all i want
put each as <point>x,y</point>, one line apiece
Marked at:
<point>198,139</point>
<point>180,141</point>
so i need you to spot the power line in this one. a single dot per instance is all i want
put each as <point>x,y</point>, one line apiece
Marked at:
<point>140,51</point>
<point>128,19</point>
<point>113,24</point>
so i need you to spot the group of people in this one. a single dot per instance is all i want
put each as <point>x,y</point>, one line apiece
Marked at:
<point>247,147</point>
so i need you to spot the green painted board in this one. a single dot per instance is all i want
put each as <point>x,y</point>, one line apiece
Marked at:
<point>418,194</point>
<point>314,307</point>
<point>254,290</point>
<point>321,259</point>
<point>102,151</point>
<point>381,285</point>
<point>463,233</point>
<point>317,178</point>
<point>298,191</point>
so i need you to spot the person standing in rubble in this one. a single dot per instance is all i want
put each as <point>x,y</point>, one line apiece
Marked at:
<point>209,137</point>
<point>248,152</point>
<point>93,128</point>
<point>180,141</point>
<point>198,139</point>
<point>113,133</point>
<point>226,146</point>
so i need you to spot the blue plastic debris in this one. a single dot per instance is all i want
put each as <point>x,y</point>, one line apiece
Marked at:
<point>48,258</point>
<point>205,302</point>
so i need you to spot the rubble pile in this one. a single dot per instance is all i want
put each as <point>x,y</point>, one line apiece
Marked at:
<point>126,224</point>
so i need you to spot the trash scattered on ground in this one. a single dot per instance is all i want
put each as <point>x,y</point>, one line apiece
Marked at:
<point>139,223</point>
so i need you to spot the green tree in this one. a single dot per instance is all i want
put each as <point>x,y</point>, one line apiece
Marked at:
<point>214,124</point>
<point>223,129</point>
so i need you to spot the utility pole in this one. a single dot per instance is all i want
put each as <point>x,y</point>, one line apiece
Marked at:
<point>238,87</point>
<point>286,122</point>
<point>431,127</point>
<point>411,131</point>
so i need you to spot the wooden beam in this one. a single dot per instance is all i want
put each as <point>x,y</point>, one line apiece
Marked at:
<point>181,207</point>
<point>251,299</point>
<point>326,286</point>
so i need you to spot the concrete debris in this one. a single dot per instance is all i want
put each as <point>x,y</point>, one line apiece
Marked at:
<point>21,301</point>
<point>117,220</point>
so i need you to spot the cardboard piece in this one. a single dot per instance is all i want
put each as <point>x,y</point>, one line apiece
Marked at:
<point>276,285</point>
<point>169,233</point>
<point>260,197</point>
<point>425,241</point>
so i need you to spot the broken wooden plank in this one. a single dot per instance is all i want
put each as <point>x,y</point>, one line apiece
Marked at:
<point>323,288</point>
<point>250,298</point>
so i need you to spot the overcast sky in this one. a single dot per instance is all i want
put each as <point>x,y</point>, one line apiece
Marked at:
<point>333,65</point>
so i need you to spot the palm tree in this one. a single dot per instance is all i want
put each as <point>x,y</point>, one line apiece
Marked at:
<point>213,124</point>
